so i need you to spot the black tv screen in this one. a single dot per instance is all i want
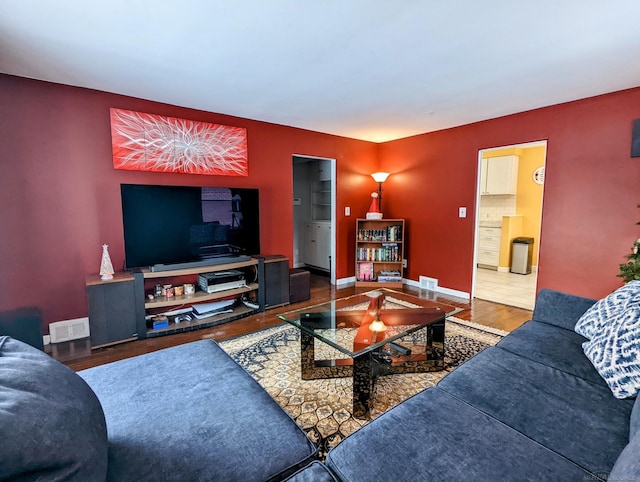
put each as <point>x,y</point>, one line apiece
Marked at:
<point>169,225</point>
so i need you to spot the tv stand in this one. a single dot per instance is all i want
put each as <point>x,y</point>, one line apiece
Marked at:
<point>146,279</point>
<point>159,268</point>
<point>119,308</point>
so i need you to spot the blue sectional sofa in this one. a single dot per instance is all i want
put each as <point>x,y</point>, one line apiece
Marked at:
<point>531,408</point>
<point>187,413</point>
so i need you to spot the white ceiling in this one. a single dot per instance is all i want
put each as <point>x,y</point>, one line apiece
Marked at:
<point>368,69</point>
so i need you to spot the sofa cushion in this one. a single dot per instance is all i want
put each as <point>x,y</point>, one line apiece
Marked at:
<point>314,472</point>
<point>571,416</point>
<point>434,436</point>
<point>627,467</point>
<point>190,412</point>
<point>615,353</point>
<point>634,423</point>
<point>595,318</point>
<point>552,346</point>
<point>560,309</point>
<point>51,424</point>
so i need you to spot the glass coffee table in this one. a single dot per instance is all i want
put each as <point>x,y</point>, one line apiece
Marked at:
<point>369,335</point>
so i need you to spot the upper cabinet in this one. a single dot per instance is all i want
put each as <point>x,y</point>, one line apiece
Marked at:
<point>499,175</point>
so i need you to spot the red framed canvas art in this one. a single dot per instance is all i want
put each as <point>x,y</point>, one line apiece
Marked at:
<point>147,142</point>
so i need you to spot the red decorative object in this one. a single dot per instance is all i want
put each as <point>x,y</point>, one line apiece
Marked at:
<point>147,142</point>
<point>374,208</point>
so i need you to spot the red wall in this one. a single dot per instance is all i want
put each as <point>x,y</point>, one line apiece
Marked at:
<point>60,196</point>
<point>60,201</point>
<point>592,188</point>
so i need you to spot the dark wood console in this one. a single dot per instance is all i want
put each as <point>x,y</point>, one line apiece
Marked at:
<point>121,309</point>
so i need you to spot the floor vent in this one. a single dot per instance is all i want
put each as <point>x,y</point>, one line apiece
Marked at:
<point>427,283</point>
<point>69,330</point>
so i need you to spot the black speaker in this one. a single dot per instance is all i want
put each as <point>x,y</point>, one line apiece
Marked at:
<point>23,324</point>
<point>113,311</point>
<point>635,139</point>
<point>274,281</point>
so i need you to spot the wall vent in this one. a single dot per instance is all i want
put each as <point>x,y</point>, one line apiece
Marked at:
<point>427,283</point>
<point>69,330</point>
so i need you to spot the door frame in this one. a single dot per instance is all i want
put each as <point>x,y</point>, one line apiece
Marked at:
<point>332,251</point>
<point>523,145</point>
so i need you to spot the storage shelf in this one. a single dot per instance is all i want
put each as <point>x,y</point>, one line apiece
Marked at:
<point>391,247</point>
<point>238,312</point>
<point>379,242</point>
<point>119,308</point>
<point>379,284</point>
<point>254,290</point>
<point>198,297</point>
<point>378,262</point>
<point>148,274</point>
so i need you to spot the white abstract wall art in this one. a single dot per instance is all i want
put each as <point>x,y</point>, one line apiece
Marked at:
<point>147,142</point>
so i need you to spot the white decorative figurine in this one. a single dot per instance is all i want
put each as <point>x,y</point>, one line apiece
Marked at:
<point>106,268</point>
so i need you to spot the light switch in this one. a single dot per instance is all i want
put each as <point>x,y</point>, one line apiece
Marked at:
<point>462,212</point>
<point>347,211</point>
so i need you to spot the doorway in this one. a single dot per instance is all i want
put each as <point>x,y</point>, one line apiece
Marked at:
<point>314,201</point>
<point>509,207</point>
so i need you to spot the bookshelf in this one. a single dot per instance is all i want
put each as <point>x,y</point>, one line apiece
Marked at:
<point>379,252</point>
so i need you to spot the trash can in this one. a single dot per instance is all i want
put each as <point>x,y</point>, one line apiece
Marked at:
<point>521,255</point>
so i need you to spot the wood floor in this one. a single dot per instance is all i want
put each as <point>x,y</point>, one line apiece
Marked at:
<point>78,354</point>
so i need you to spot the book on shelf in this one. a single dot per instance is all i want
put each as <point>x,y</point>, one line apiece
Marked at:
<point>365,272</point>
<point>388,252</point>
<point>390,233</point>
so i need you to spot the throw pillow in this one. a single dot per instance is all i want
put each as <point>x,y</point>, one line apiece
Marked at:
<point>51,423</point>
<point>615,353</point>
<point>592,321</point>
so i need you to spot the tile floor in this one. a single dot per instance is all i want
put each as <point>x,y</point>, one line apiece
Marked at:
<point>507,288</point>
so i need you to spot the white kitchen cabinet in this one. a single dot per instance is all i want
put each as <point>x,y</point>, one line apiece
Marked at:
<point>317,248</point>
<point>499,175</point>
<point>489,246</point>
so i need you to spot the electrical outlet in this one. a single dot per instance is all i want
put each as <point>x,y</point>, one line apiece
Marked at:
<point>462,212</point>
<point>404,263</point>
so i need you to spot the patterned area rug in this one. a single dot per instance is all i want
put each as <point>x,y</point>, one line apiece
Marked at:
<point>323,407</point>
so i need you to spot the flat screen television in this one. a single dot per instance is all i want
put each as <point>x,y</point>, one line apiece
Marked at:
<point>169,227</point>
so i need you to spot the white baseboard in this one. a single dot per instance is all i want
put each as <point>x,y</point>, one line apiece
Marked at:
<point>345,281</point>
<point>440,289</point>
<point>450,292</point>
<point>507,269</point>
<point>445,291</point>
